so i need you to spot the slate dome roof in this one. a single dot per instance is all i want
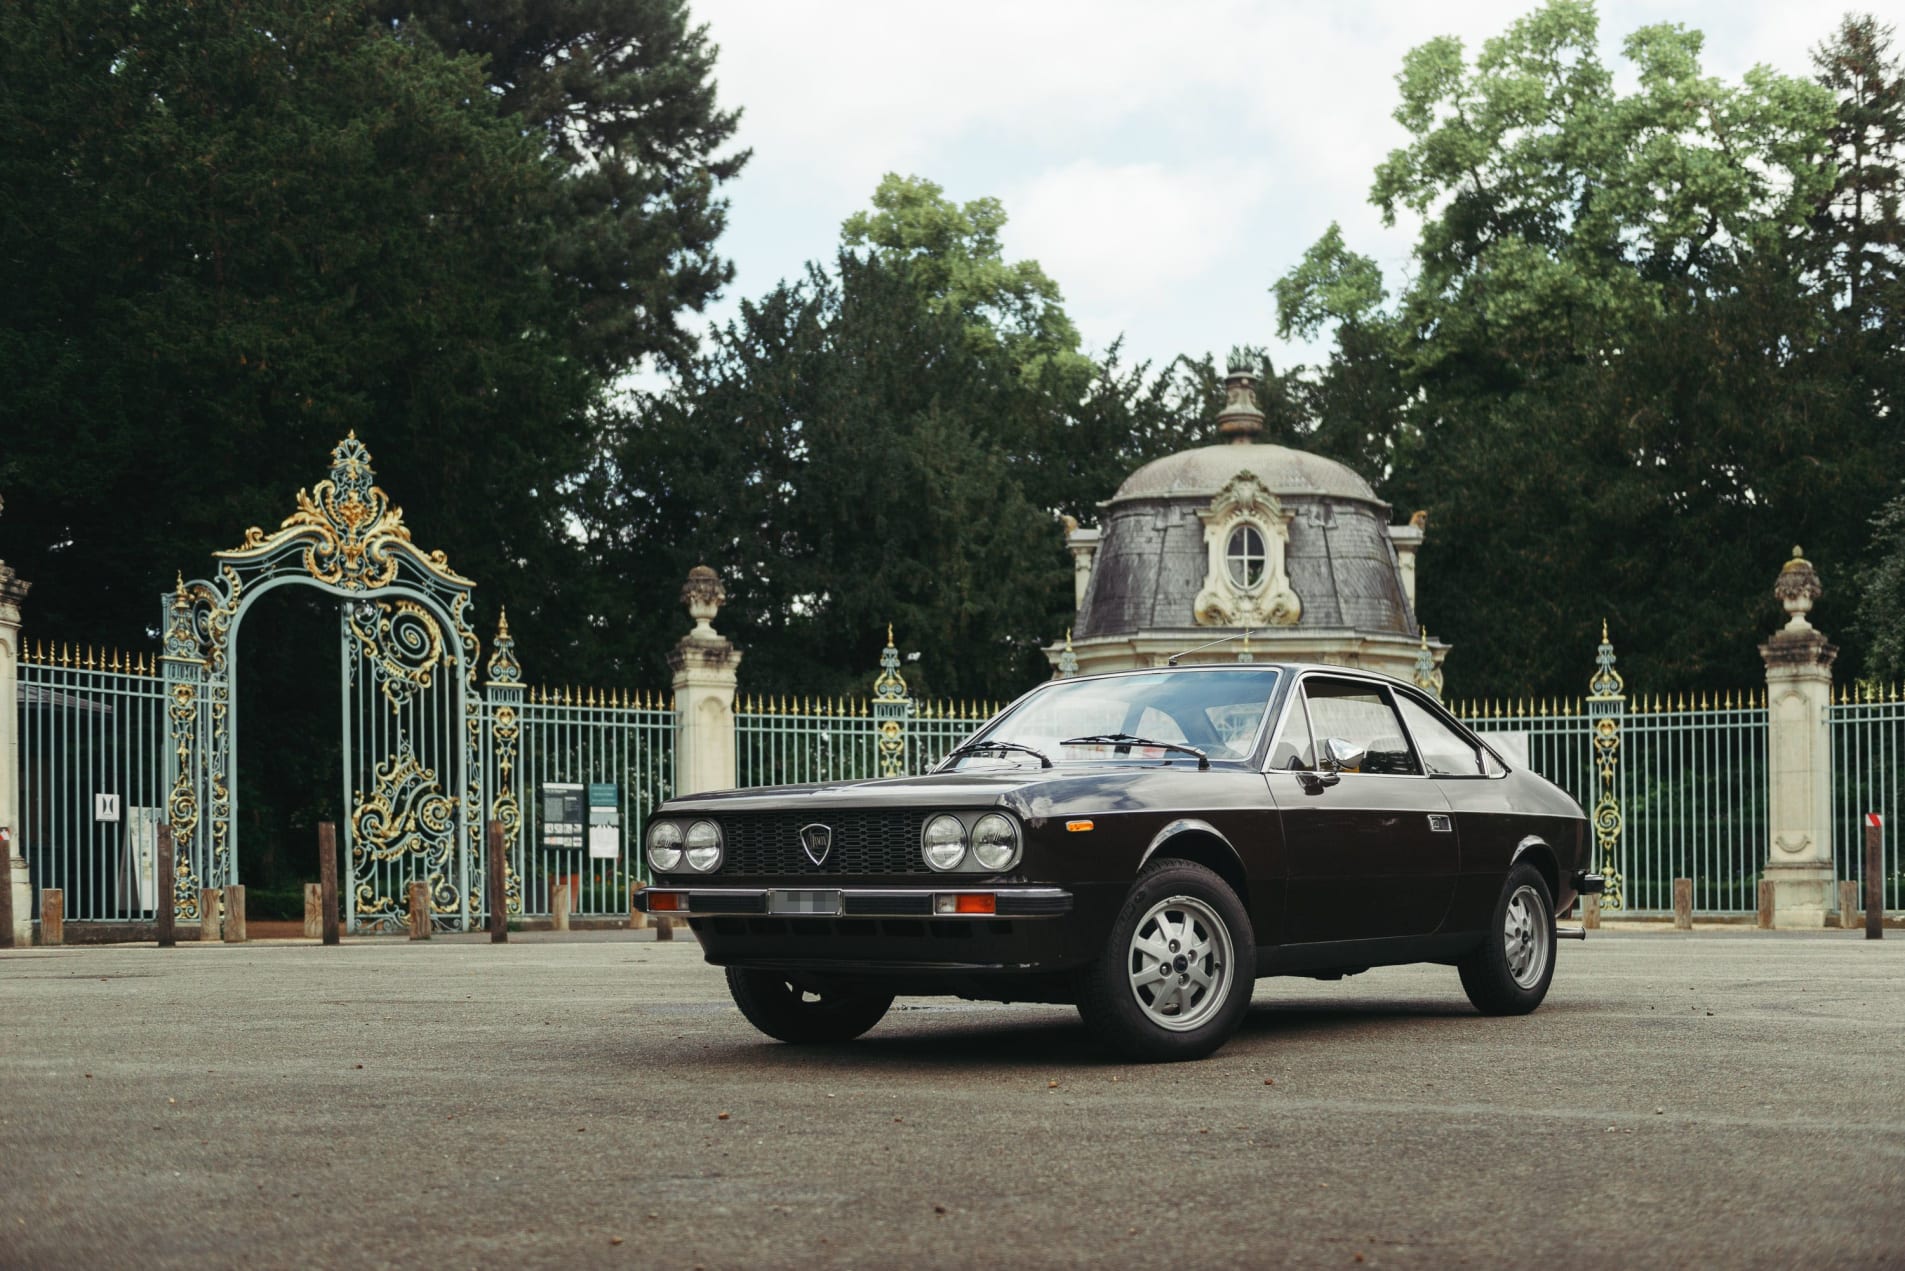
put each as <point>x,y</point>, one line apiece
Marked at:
<point>1201,473</point>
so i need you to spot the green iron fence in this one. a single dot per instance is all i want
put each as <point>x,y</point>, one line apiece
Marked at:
<point>788,739</point>
<point>92,780</point>
<point>1867,726</point>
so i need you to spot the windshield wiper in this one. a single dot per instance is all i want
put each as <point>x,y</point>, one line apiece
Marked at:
<point>980,747</point>
<point>1126,741</point>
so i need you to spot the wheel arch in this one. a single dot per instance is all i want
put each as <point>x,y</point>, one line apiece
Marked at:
<point>1536,851</point>
<point>1198,841</point>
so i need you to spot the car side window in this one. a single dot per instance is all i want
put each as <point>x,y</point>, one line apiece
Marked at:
<point>1295,750</point>
<point>1362,713</point>
<point>1445,752</point>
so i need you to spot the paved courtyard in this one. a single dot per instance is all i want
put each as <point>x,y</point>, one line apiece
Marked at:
<point>1722,1099</point>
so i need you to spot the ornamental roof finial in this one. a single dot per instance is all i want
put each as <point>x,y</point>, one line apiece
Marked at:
<point>1241,419</point>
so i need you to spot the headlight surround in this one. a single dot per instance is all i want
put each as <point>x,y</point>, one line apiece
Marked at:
<point>704,846</point>
<point>664,846</point>
<point>943,842</point>
<point>995,842</point>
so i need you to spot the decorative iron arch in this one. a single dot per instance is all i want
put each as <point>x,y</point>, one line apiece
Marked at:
<point>348,539</point>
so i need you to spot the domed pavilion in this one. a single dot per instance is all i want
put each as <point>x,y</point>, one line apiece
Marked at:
<point>1238,537</point>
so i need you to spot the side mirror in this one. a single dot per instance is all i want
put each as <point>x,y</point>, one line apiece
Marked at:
<point>1339,755</point>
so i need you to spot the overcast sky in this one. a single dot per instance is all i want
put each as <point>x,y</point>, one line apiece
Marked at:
<point>1165,162</point>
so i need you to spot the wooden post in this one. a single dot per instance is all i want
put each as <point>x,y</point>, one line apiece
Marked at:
<point>559,905</point>
<point>209,901</point>
<point>327,878</point>
<point>498,876</point>
<point>1591,912</point>
<point>1874,878</point>
<point>163,911</point>
<point>313,910</point>
<point>419,911</point>
<point>1683,904</point>
<point>235,932</point>
<point>1767,890</point>
<point>636,918</point>
<point>52,916</point>
<point>664,927</point>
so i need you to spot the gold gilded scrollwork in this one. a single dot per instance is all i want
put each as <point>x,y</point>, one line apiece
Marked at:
<point>350,530</point>
<point>1606,701</point>
<point>404,645</point>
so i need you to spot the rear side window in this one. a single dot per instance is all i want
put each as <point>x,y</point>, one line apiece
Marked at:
<point>1445,752</point>
<point>1366,715</point>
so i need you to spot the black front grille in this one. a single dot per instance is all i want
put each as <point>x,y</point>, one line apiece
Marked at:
<point>768,843</point>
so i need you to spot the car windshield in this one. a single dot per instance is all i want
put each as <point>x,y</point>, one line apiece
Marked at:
<point>1215,711</point>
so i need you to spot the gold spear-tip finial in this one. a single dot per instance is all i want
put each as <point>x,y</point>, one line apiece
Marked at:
<point>1604,631</point>
<point>889,633</point>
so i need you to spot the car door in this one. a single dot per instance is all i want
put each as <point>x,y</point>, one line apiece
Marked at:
<point>1371,853</point>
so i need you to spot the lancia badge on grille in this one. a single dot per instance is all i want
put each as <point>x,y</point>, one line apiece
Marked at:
<point>817,841</point>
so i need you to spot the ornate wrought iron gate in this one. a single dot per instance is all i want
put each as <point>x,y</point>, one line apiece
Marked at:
<point>413,715</point>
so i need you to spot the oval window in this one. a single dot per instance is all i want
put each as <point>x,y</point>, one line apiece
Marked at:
<point>1245,558</point>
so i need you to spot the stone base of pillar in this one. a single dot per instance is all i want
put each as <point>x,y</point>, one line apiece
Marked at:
<point>22,903</point>
<point>1802,896</point>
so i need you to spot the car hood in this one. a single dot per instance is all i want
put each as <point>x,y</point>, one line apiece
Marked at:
<point>1030,791</point>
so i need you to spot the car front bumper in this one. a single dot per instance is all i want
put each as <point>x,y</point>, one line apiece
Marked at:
<point>975,942</point>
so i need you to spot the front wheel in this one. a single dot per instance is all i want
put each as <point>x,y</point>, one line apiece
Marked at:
<point>1175,977</point>
<point>787,1012</point>
<point>1510,973</point>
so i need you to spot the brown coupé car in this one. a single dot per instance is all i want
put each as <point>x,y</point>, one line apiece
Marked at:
<point>1145,845</point>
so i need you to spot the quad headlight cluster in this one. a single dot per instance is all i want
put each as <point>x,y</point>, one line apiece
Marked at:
<point>988,844</point>
<point>697,844</point>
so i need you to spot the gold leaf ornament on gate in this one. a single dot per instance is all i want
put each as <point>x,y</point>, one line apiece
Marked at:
<point>404,644</point>
<point>352,533</point>
<point>407,811</point>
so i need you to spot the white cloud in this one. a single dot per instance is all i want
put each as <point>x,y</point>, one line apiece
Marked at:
<point>1164,162</point>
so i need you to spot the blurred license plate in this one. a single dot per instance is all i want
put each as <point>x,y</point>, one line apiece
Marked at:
<point>803,902</point>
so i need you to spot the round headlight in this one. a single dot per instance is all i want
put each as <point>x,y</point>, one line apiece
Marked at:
<point>995,842</point>
<point>704,846</point>
<point>943,842</point>
<point>664,846</point>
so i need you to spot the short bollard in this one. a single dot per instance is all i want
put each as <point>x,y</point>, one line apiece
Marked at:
<point>1766,904</point>
<point>419,911</point>
<point>1591,912</point>
<point>210,900</point>
<point>498,880</point>
<point>235,932</point>
<point>1849,916</point>
<point>313,911</point>
<point>327,878</point>
<point>559,905</point>
<point>1683,904</point>
<point>168,935</point>
<point>664,927</point>
<point>636,918</point>
<point>52,916</point>
<point>1874,876</point>
<point>6,887</point>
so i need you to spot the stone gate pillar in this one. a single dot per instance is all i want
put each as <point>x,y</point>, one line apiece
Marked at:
<point>13,867</point>
<point>1799,754</point>
<point>704,664</point>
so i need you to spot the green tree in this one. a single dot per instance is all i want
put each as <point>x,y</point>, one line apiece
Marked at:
<point>621,95</point>
<point>836,459</point>
<point>1602,376</point>
<point>952,255</point>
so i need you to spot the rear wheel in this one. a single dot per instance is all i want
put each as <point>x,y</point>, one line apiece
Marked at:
<point>1510,973</point>
<point>786,1011</point>
<point>1175,977</point>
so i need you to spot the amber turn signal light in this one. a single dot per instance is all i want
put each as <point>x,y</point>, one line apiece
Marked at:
<point>663,901</point>
<point>966,903</point>
<point>1078,827</point>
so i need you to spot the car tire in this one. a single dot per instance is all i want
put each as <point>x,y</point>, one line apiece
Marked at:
<point>1510,973</point>
<point>1176,973</point>
<point>786,1012</point>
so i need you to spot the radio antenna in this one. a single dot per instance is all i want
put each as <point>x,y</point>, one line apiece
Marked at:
<point>1242,635</point>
